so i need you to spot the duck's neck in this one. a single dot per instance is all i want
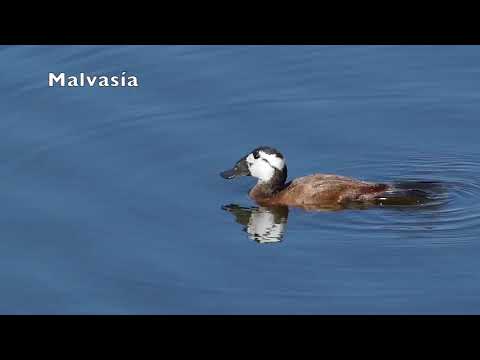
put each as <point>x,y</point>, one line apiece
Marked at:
<point>267,189</point>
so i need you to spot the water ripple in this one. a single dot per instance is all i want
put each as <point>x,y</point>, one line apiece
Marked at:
<point>453,212</point>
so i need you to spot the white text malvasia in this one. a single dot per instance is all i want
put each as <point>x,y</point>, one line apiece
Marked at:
<point>82,80</point>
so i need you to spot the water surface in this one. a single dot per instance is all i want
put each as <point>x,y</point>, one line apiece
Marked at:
<point>112,201</point>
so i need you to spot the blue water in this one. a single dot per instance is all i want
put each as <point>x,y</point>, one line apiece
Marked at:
<point>112,202</point>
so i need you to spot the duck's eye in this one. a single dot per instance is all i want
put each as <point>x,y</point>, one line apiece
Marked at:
<point>256,155</point>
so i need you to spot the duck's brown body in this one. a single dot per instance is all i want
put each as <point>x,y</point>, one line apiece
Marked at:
<point>323,190</point>
<point>318,191</point>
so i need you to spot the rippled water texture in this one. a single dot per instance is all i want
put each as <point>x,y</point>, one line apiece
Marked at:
<point>112,202</point>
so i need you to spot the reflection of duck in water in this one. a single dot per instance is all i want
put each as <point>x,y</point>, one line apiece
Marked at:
<point>318,191</point>
<point>264,225</point>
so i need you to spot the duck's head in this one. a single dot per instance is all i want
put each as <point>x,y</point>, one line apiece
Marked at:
<point>265,163</point>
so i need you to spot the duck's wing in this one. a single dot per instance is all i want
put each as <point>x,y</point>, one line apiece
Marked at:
<point>327,189</point>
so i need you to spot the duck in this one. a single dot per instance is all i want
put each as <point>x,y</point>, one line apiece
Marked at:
<point>322,191</point>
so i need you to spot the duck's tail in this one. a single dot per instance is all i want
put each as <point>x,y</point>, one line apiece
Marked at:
<point>409,193</point>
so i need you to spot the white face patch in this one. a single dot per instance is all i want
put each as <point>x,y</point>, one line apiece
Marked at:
<point>273,159</point>
<point>264,167</point>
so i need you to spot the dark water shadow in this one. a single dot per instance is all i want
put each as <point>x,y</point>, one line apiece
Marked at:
<point>415,195</point>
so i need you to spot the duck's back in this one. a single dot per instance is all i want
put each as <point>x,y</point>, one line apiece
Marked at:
<point>327,189</point>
